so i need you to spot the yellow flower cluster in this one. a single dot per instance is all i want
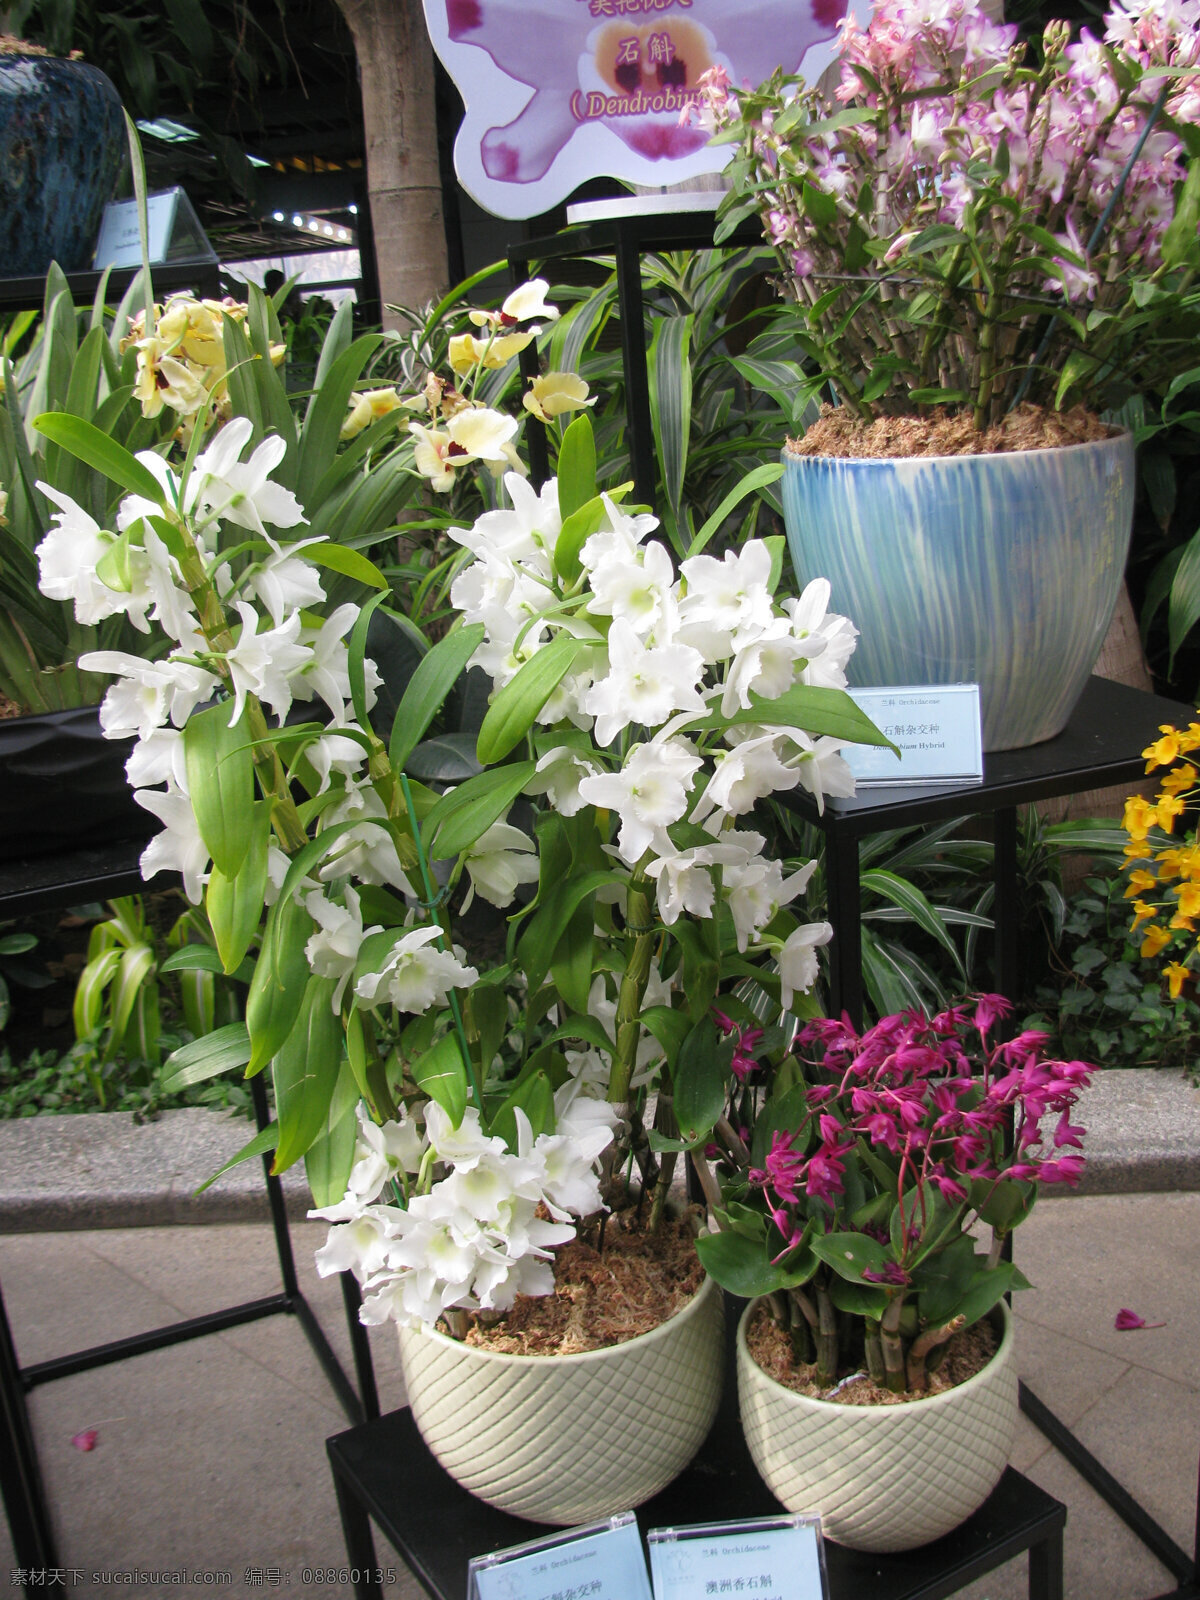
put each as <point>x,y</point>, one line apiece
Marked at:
<point>459,428</point>
<point>181,363</point>
<point>1163,864</point>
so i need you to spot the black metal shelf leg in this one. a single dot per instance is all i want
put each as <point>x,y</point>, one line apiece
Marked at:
<point>844,897</point>
<point>21,1484</point>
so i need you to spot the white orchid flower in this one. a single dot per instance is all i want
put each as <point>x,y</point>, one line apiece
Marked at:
<point>648,794</point>
<point>684,883</point>
<point>263,664</point>
<point>727,602</point>
<point>765,666</point>
<point>413,976</point>
<point>179,847</point>
<point>225,487</point>
<point>68,557</point>
<point>283,581</point>
<point>798,960</point>
<point>620,541</point>
<point>332,951</point>
<point>641,592</point>
<point>644,684</point>
<point>751,770</point>
<point>499,861</point>
<point>147,694</point>
<point>558,775</point>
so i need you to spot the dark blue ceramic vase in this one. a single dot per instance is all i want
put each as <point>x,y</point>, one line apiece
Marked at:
<point>62,140</point>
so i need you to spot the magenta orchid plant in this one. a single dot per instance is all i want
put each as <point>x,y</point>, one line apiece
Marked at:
<point>954,192</point>
<point>854,1180</point>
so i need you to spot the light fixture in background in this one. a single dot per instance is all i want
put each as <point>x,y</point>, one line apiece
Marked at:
<point>338,235</point>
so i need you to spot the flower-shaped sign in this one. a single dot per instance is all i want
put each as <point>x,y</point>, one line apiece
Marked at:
<point>560,91</point>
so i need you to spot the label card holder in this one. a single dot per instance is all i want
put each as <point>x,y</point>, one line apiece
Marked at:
<point>764,1558</point>
<point>936,728</point>
<point>602,1561</point>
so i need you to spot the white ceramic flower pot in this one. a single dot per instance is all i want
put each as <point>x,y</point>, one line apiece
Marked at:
<point>568,1439</point>
<point>882,1477</point>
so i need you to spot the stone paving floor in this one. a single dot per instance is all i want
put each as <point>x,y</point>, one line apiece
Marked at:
<point>211,1454</point>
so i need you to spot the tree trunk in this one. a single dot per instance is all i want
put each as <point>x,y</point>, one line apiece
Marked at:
<point>395,62</point>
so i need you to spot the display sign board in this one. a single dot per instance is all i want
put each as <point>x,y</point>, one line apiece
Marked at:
<point>602,1561</point>
<point>936,728</point>
<point>764,1558</point>
<point>560,91</point>
<point>173,232</point>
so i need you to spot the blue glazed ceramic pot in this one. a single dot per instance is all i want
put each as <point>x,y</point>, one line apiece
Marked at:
<point>62,141</point>
<point>1001,570</point>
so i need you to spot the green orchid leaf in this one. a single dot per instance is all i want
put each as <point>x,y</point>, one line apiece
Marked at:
<point>576,467</point>
<point>514,708</point>
<point>339,558</point>
<point>435,675</point>
<point>305,1072</point>
<point>261,1144</point>
<point>101,451</point>
<point>220,769</point>
<point>235,904</point>
<point>442,1075</point>
<point>852,1254</point>
<point>205,1058</point>
<point>459,818</point>
<point>701,1079</point>
<point>280,977</point>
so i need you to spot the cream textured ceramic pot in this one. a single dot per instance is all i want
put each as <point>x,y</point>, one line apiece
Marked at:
<point>882,1477</point>
<point>567,1439</point>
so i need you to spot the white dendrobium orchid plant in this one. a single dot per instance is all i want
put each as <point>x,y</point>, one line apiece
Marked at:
<point>457,1118</point>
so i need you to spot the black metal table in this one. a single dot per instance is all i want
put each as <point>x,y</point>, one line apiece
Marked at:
<point>1102,744</point>
<point>383,1471</point>
<point>42,884</point>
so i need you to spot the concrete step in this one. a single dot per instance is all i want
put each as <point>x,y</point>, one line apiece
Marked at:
<point>107,1170</point>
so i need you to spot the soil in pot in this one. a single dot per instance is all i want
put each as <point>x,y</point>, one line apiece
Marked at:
<point>611,1285</point>
<point>837,432</point>
<point>963,1356</point>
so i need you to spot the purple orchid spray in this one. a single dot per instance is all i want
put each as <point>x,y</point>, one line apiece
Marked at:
<point>967,222</point>
<point>872,1162</point>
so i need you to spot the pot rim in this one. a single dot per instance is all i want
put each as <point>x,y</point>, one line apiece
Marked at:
<point>1117,436</point>
<point>947,1397</point>
<point>701,1297</point>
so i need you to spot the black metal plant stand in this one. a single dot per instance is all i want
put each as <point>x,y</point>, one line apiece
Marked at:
<point>69,880</point>
<point>384,1473</point>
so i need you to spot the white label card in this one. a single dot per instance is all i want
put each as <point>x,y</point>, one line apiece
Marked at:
<point>770,1558</point>
<point>119,244</point>
<point>601,1562</point>
<point>936,729</point>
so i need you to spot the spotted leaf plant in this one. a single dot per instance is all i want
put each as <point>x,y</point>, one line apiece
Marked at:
<point>870,1182</point>
<point>455,1117</point>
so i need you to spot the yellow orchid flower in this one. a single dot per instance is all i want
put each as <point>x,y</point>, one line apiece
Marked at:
<point>555,392</point>
<point>368,407</point>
